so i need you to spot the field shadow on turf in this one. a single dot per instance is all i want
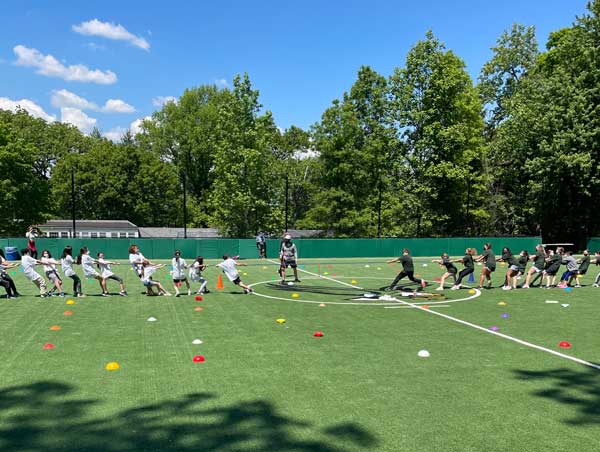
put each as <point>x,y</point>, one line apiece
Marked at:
<point>51,416</point>
<point>577,389</point>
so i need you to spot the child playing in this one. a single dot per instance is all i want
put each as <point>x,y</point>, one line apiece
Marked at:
<point>87,263</point>
<point>451,270</point>
<point>229,267</point>
<point>66,262</point>
<point>467,261</point>
<point>147,271</point>
<point>489,265</point>
<point>196,270</point>
<point>584,264</point>
<point>408,269</point>
<point>539,262</point>
<point>28,263</point>
<point>178,273</point>
<point>107,273</point>
<point>5,280</point>
<point>50,269</point>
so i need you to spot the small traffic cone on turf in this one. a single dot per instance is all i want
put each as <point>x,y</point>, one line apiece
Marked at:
<point>220,282</point>
<point>471,278</point>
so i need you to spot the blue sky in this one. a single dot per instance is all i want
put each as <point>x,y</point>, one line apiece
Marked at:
<point>299,55</point>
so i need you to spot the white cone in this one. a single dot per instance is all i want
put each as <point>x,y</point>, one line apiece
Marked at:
<point>152,319</point>
<point>196,342</point>
<point>423,354</point>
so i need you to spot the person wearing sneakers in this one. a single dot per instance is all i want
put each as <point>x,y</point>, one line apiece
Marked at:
<point>49,264</point>
<point>467,261</point>
<point>451,270</point>
<point>572,270</point>
<point>489,265</point>
<point>87,264</point>
<point>148,270</point>
<point>584,264</point>
<point>66,262</point>
<point>288,255</point>
<point>229,267</point>
<point>408,269</point>
<point>28,263</point>
<point>554,263</point>
<point>539,262</point>
<point>107,273</point>
<point>195,273</point>
<point>178,273</point>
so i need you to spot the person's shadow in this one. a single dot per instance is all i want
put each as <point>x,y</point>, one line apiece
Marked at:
<point>49,416</point>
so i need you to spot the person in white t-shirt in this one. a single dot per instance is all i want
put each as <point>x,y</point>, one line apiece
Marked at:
<point>50,264</point>
<point>196,270</point>
<point>66,263</point>
<point>87,264</point>
<point>28,263</point>
<point>107,273</point>
<point>229,267</point>
<point>137,260</point>
<point>147,271</point>
<point>178,273</point>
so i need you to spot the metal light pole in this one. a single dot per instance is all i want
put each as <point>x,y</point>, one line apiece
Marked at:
<point>184,206</point>
<point>73,200</point>
<point>287,187</point>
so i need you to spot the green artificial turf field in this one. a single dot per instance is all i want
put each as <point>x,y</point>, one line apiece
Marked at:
<point>269,386</point>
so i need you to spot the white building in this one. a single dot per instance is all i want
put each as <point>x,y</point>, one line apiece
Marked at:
<point>90,229</point>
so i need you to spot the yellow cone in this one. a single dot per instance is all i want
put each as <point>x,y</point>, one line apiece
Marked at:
<point>280,320</point>
<point>70,302</point>
<point>472,291</point>
<point>354,281</point>
<point>113,365</point>
<point>295,295</point>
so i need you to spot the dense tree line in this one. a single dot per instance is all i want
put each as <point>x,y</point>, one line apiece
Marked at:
<point>423,152</point>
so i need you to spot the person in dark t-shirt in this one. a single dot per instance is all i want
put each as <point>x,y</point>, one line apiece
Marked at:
<point>489,265</point>
<point>467,261</point>
<point>408,269</point>
<point>451,270</point>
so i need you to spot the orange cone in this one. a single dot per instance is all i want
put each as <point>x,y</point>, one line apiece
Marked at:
<point>220,282</point>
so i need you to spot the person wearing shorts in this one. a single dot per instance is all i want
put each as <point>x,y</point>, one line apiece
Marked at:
<point>469,265</point>
<point>288,256</point>
<point>179,266</point>
<point>451,269</point>
<point>28,263</point>
<point>49,265</point>
<point>584,264</point>
<point>489,265</point>
<point>66,263</point>
<point>87,264</point>
<point>539,262</point>
<point>572,270</point>
<point>147,272</point>
<point>513,267</point>
<point>554,263</point>
<point>229,267</point>
<point>408,270</point>
<point>597,263</point>
<point>107,273</point>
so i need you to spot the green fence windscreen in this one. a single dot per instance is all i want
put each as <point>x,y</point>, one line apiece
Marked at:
<point>307,248</point>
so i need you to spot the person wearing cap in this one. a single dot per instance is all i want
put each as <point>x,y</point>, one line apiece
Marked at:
<point>288,255</point>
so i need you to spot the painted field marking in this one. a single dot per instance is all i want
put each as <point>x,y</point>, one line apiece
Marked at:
<point>503,336</point>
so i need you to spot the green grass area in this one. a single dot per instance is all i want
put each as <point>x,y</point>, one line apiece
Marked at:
<point>266,386</point>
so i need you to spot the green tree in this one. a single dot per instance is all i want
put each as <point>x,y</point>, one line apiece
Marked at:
<point>355,142</point>
<point>23,193</point>
<point>437,114</point>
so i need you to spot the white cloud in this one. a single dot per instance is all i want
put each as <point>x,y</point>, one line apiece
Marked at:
<point>112,31</point>
<point>51,67</point>
<point>64,98</point>
<point>78,118</point>
<point>136,126</point>
<point>28,105</point>
<point>221,83</point>
<point>159,101</point>
<point>115,134</point>
<point>117,106</point>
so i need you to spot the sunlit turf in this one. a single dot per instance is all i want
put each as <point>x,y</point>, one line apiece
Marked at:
<point>270,386</point>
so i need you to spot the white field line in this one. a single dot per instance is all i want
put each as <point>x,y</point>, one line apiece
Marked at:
<point>503,336</point>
